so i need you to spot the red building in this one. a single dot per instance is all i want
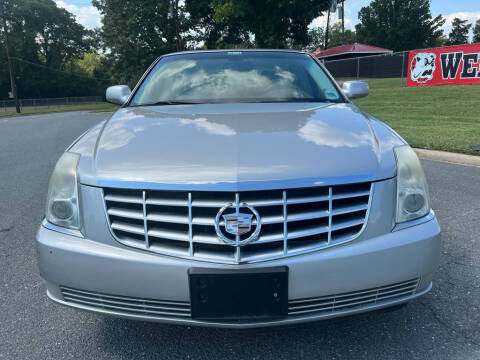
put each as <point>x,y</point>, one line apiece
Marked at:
<point>350,51</point>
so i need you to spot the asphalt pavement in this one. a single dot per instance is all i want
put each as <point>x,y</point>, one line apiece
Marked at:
<point>445,324</point>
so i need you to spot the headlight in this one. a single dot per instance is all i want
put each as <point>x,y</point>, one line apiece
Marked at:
<point>62,199</point>
<point>412,190</point>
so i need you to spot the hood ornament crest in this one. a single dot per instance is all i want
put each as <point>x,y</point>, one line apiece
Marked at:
<point>238,224</point>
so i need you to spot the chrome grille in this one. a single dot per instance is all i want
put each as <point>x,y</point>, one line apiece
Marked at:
<point>182,223</point>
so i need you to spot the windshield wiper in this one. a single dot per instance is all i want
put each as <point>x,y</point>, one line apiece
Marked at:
<point>168,102</point>
<point>239,101</point>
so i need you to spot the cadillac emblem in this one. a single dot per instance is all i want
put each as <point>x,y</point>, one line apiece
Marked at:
<point>238,224</point>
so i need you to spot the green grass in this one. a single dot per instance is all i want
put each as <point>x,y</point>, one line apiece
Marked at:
<point>92,107</point>
<point>433,117</point>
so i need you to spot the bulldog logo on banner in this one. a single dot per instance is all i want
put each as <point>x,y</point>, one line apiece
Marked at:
<point>422,67</point>
<point>450,65</point>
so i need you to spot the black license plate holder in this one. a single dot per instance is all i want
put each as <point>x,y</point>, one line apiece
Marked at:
<point>238,294</point>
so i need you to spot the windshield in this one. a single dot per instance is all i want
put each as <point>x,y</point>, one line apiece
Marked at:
<point>236,76</point>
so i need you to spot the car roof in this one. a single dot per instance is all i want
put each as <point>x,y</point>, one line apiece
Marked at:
<point>237,50</point>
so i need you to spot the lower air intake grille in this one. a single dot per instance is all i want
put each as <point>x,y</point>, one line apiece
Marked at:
<point>293,221</point>
<point>127,305</point>
<point>350,300</point>
<point>296,308</point>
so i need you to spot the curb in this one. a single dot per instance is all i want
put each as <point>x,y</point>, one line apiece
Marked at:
<point>444,156</point>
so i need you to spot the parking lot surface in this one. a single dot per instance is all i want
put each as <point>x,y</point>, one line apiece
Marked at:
<point>445,324</point>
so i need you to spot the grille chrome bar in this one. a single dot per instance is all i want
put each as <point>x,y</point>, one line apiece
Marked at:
<point>145,228</point>
<point>126,213</point>
<point>182,223</point>
<point>329,240</point>
<point>128,228</point>
<point>352,299</point>
<point>237,237</point>
<point>190,235</point>
<point>127,304</point>
<point>285,225</point>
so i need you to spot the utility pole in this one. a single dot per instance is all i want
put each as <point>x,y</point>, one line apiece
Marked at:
<point>343,22</point>
<point>9,60</point>
<point>177,35</point>
<point>326,31</point>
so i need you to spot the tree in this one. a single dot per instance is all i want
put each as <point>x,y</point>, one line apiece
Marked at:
<point>335,36</point>
<point>5,18</point>
<point>316,36</point>
<point>274,23</point>
<point>211,33</point>
<point>59,37</point>
<point>459,33</point>
<point>90,63</point>
<point>45,43</point>
<point>399,24</point>
<point>136,32</point>
<point>441,41</point>
<point>476,32</point>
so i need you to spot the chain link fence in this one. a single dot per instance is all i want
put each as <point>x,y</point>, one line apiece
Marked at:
<point>370,67</point>
<point>9,105</point>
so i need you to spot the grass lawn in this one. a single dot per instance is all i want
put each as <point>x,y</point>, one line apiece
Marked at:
<point>92,107</point>
<point>435,117</point>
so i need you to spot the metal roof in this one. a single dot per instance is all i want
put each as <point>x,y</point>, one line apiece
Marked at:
<point>355,48</point>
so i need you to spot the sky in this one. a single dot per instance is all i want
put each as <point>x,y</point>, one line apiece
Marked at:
<point>88,15</point>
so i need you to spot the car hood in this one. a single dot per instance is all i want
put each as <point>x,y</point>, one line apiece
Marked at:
<point>235,144</point>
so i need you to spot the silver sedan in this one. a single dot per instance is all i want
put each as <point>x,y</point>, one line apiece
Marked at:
<point>238,189</point>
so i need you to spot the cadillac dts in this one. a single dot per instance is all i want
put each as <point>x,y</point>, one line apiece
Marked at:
<point>237,189</point>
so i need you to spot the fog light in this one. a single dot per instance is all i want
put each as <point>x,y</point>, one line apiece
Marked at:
<point>62,209</point>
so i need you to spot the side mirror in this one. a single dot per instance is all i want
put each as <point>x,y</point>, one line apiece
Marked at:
<point>118,94</point>
<point>355,89</point>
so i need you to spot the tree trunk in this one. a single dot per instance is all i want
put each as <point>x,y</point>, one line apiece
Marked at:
<point>326,31</point>
<point>10,65</point>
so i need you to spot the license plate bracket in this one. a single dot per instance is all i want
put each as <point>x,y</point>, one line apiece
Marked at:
<point>238,294</point>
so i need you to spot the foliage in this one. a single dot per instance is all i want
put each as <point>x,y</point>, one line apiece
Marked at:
<point>335,36</point>
<point>316,38</point>
<point>90,63</point>
<point>459,33</point>
<point>135,33</point>
<point>212,33</point>
<point>476,32</point>
<point>399,24</point>
<point>441,41</point>
<point>274,23</point>
<point>45,43</point>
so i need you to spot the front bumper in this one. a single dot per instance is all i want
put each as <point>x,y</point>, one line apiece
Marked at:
<point>114,274</point>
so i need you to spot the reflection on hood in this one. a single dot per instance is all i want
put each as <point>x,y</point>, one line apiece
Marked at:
<point>209,127</point>
<point>231,143</point>
<point>322,134</point>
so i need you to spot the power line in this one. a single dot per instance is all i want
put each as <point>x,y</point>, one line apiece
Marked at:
<point>57,70</point>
